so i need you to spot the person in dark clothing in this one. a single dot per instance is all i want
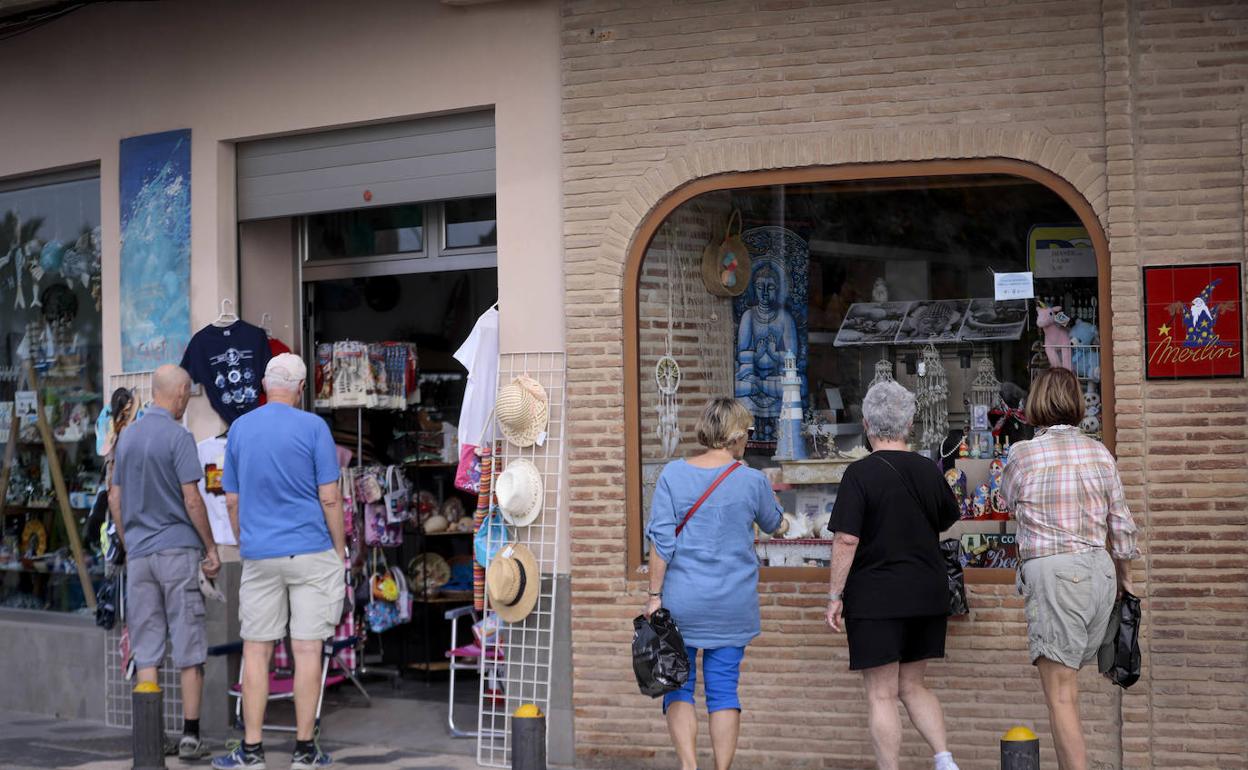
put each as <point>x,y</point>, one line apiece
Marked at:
<point>888,586</point>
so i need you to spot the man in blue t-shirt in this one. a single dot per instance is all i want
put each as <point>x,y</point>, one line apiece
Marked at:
<point>281,489</point>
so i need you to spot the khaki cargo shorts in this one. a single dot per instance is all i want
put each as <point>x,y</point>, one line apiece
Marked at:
<point>1068,599</point>
<point>305,590</point>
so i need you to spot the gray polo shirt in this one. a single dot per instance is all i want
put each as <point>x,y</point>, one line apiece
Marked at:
<point>155,457</point>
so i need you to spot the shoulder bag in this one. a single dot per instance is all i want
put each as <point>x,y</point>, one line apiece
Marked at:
<point>950,549</point>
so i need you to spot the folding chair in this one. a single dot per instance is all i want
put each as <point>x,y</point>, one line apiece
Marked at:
<point>469,657</point>
<point>282,686</point>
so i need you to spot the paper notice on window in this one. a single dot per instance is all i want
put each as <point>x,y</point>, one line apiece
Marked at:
<point>1013,286</point>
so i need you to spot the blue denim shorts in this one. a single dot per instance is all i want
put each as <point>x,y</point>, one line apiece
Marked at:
<point>721,670</point>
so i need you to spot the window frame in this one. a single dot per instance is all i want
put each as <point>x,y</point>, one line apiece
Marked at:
<point>649,227</point>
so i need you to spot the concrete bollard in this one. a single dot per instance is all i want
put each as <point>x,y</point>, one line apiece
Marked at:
<point>1020,750</point>
<point>149,727</point>
<point>528,738</point>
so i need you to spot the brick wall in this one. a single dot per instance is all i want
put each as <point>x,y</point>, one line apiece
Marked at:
<point>1140,106</point>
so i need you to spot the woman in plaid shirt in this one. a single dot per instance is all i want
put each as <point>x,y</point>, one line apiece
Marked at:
<point>1063,488</point>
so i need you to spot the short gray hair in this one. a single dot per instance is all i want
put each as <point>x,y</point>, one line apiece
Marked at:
<point>888,410</point>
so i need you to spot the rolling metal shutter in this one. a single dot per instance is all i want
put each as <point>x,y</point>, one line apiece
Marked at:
<point>439,158</point>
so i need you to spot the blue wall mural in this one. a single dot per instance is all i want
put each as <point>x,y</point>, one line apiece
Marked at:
<point>771,319</point>
<point>155,249</point>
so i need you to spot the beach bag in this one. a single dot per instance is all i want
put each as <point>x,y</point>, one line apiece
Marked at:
<point>468,474</point>
<point>378,532</point>
<point>1119,657</point>
<point>397,498</point>
<point>660,659</point>
<point>346,487</point>
<point>370,488</point>
<point>726,265</point>
<point>490,538</point>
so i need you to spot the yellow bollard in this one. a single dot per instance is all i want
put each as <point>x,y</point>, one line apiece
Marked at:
<point>149,727</point>
<point>528,738</point>
<point>1020,750</point>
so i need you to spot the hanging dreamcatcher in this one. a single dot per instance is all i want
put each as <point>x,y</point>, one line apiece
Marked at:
<point>931,395</point>
<point>667,370</point>
<point>883,373</point>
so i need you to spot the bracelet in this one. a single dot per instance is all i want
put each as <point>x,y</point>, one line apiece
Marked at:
<point>834,596</point>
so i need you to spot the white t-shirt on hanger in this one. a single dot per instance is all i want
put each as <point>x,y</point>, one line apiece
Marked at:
<point>479,355</point>
<point>212,453</point>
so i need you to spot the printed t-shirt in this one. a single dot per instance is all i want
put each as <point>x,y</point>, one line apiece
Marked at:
<point>212,460</point>
<point>276,457</point>
<point>229,362</point>
<point>155,457</point>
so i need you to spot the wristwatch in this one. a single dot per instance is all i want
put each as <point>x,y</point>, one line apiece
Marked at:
<point>834,596</point>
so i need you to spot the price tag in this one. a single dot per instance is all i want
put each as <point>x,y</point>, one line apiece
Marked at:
<point>1013,286</point>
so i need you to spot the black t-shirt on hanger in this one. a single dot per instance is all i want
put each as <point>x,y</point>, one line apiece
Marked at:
<point>898,571</point>
<point>229,362</point>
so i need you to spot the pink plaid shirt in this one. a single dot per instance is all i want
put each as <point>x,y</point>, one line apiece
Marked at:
<point>1065,492</point>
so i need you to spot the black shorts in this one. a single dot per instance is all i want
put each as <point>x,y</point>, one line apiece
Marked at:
<point>877,642</point>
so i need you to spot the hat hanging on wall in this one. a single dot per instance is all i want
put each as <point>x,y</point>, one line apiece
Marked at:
<point>520,492</point>
<point>523,411</point>
<point>726,265</point>
<point>513,582</point>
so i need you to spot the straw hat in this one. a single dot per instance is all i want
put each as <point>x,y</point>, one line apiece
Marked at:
<point>523,411</point>
<point>513,581</point>
<point>520,492</point>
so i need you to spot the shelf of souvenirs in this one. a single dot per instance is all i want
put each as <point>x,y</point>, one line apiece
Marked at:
<point>17,510</point>
<point>39,566</point>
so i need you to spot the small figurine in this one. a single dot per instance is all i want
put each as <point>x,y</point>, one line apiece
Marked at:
<point>963,450</point>
<point>996,496</point>
<point>980,503</point>
<point>879,292</point>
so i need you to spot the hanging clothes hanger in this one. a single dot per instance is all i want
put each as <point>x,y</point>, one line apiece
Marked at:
<point>227,316</point>
<point>266,323</point>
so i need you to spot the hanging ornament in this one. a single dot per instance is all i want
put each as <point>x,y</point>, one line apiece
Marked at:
<point>932,399</point>
<point>667,370</point>
<point>985,387</point>
<point>883,372</point>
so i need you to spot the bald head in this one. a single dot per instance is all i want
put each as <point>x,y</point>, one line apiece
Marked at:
<point>171,389</point>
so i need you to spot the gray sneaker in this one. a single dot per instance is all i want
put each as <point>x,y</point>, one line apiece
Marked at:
<point>310,760</point>
<point>170,745</point>
<point>192,748</point>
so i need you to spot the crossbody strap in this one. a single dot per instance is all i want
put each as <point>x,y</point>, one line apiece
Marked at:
<point>910,488</point>
<point>727,472</point>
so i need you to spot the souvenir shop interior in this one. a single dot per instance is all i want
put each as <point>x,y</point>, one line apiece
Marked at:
<point>51,390</point>
<point>797,298</point>
<point>387,333</point>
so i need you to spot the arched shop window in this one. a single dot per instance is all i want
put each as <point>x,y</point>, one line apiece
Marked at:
<point>795,291</point>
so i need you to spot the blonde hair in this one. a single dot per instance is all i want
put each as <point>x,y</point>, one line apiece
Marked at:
<point>724,421</point>
<point>1055,399</point>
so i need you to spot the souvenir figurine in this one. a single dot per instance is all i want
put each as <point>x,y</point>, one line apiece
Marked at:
<point>981,502</point>
<point>996,496</point>
<point>1086,351</point>
<point>1056,336</point>
<point>963,450</point>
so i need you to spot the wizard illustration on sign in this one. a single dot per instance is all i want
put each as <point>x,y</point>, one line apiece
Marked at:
<point>1201,317</point>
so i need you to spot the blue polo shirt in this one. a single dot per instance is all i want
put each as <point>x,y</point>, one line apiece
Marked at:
<point>276,457</point>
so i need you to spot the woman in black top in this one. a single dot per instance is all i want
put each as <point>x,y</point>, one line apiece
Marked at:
<point>888,577</point>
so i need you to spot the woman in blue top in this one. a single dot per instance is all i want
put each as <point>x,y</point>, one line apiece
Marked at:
<point>706,572</point>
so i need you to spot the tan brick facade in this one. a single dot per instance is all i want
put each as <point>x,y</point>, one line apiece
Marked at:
<point>1140,106</point>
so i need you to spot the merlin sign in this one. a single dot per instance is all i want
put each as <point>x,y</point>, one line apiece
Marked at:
<point>1194,322</point>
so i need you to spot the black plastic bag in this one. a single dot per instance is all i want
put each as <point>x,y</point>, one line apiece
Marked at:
<point>951,552</point>
<point>106,603</point>
<point>1119,658</point>
<point>660,660</point>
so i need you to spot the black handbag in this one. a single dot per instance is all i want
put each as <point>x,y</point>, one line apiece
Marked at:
<point>950,553</point>
<point>1119,657</point>
<point>660,660</point>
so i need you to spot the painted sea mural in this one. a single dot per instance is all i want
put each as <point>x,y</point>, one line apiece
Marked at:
<point>155,172</point>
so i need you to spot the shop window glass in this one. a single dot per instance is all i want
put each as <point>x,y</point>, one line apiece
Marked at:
<point>832,285</point>
<point>470,223</point>
<point>50,290</point>
<point>366,233</point>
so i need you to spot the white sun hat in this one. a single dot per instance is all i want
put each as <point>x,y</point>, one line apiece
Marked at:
<point>520,492</point>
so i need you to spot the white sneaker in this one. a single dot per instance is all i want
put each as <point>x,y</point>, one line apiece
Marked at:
<point>944,761</point>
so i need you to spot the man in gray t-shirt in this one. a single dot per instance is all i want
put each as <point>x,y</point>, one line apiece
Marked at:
<point>161,519</point>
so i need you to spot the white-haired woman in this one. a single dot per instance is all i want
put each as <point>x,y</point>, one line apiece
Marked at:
<point>888,587</point>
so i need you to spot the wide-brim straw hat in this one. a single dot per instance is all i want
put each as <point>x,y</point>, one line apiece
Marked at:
<point>514,582</point>
<point>520,492</point>
<point>523,411</point>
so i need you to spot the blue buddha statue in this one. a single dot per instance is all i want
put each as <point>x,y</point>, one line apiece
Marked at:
<point>767,331</point>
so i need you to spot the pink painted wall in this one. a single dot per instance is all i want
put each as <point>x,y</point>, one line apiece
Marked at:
<point>232,71</point>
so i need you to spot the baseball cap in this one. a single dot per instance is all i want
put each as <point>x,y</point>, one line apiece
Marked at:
<point>286,366</point>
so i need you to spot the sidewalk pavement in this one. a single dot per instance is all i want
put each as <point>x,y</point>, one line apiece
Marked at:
<point>33,742</point>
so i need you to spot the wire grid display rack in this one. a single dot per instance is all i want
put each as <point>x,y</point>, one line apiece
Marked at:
<point>118,710</point>
<point>525,647</point>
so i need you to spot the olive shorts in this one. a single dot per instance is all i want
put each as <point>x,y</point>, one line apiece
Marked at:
<point>1068,599</point>
<point>306,590</point>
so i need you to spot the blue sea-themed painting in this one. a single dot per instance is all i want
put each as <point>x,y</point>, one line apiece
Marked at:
<point>155,171</point>
<point>771,320</point>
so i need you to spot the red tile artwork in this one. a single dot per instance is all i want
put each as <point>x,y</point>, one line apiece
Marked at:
<point>1194,321</point>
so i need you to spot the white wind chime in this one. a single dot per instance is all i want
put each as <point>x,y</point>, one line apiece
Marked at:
<point>931,395</point>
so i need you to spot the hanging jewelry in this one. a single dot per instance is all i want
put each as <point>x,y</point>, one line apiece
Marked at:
<point>932,399</point>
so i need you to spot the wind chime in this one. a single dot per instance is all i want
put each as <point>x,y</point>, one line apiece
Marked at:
<point>931,395</point>
<point>985,387</point>
<point>883,373</point>
<point>667,370</point>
